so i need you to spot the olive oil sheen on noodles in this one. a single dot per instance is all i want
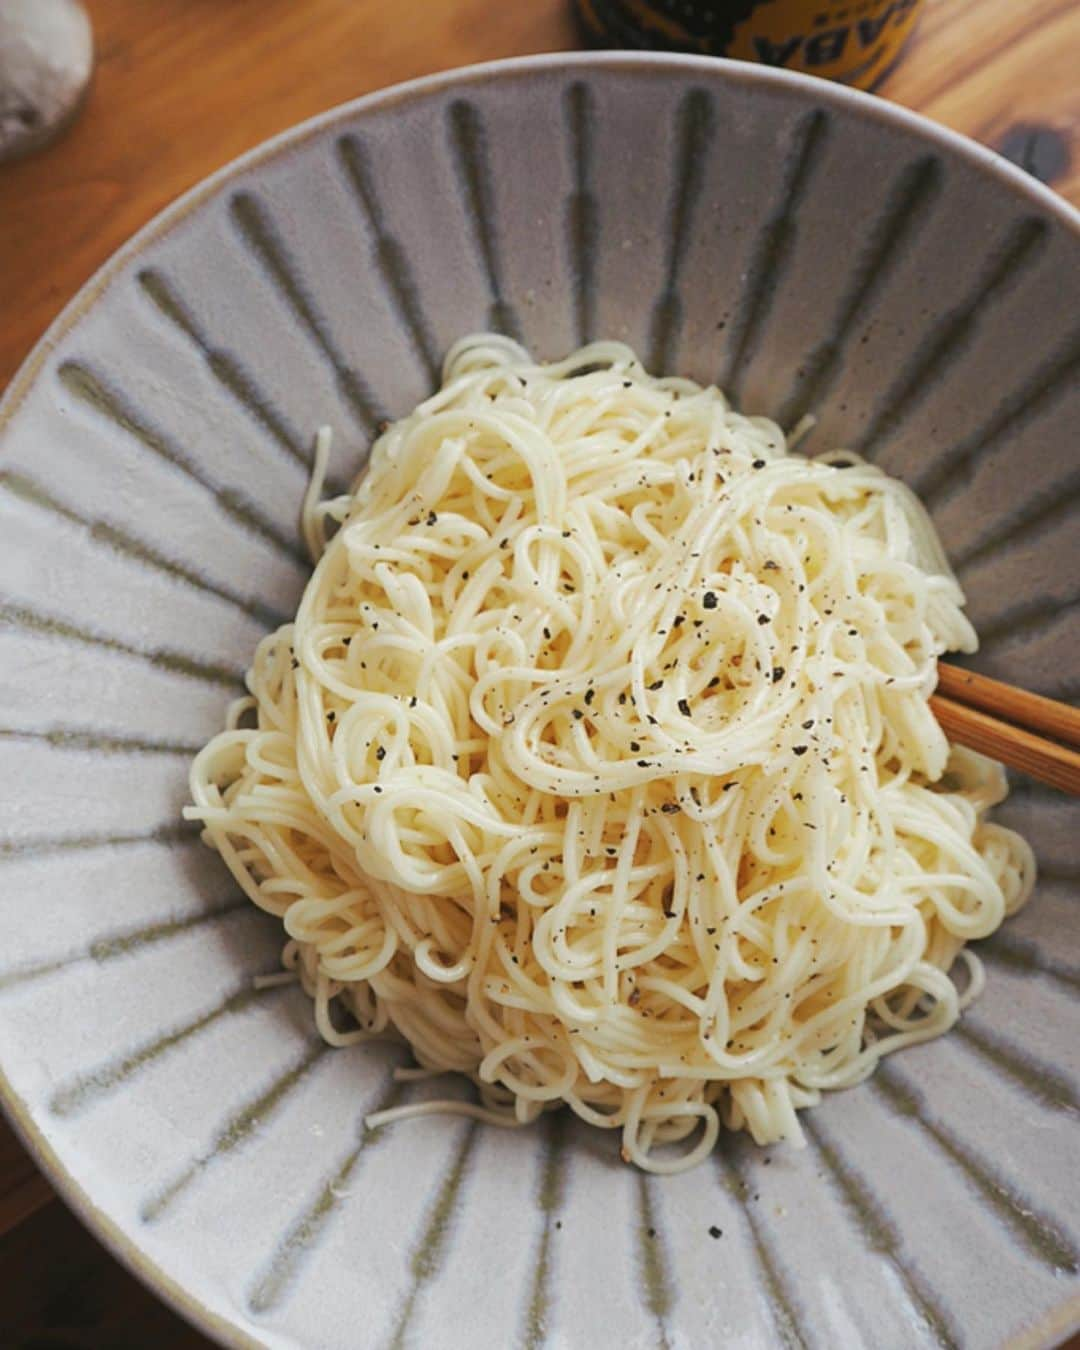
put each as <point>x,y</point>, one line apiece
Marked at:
<point>854,41</point>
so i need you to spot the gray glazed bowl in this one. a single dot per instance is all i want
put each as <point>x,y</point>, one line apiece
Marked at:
<point>812,249</point>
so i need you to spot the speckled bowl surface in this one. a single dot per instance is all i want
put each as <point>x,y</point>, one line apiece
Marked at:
<point>811,249</point>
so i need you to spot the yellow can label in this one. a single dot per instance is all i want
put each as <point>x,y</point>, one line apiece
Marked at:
<point>850,40</point>
<point>855,41</point>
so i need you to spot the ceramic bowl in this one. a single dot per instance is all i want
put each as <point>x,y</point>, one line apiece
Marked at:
<point>812,250</point>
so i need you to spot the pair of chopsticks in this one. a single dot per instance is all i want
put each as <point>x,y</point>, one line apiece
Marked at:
<point>1036,735</point>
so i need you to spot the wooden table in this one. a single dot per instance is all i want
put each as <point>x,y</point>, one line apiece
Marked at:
<point>182,86</point>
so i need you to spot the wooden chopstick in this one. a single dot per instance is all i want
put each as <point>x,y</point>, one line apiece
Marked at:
<point>966,705</point>
<point>1045,716</point>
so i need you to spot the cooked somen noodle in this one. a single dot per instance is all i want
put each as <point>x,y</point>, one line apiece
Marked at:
<point>598,763</point>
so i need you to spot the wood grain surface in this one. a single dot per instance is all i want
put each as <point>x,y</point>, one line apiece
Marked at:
<point>183,86</point>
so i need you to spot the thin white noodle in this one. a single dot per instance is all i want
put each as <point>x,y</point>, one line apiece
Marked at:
<point>310,521</point>
<point>416,1075</point>
<point>441,1108</point>
<point>598,765</point>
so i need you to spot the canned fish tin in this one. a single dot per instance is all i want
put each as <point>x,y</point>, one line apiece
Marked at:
<point>855,41</point>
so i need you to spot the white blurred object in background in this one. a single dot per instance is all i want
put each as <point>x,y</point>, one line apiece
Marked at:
<point>46,58</point>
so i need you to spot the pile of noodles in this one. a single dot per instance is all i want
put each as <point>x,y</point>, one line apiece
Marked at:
<point>598,762</point>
